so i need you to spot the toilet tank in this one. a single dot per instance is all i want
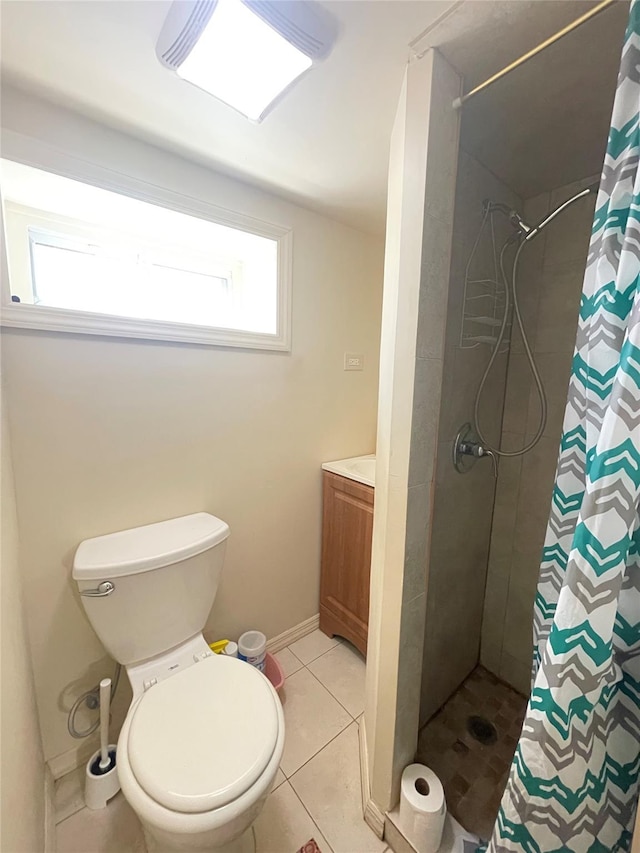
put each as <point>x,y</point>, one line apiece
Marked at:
<point>160,583</point>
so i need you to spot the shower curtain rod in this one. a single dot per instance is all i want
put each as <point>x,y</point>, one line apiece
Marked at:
<point>458,102</point>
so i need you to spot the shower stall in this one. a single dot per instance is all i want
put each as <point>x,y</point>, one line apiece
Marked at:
<point>518,259</point>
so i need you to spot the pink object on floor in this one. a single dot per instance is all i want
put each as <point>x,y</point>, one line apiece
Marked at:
<point>310,847</point>
<point>274,673</point>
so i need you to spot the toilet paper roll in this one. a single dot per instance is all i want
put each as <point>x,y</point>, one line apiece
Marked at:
<point>422,808</point>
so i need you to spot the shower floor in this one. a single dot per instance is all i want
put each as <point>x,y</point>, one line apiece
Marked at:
<point>474,771</point>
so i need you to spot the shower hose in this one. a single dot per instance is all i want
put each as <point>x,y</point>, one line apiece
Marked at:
<point>511,295</point>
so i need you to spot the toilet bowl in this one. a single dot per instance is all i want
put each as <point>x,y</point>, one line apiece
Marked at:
<point>202,740</point>
<point>198,756</point>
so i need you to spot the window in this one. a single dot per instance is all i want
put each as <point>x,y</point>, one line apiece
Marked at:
<point>87,259</point>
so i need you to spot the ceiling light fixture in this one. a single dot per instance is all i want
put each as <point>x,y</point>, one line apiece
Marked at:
<point>247,53</point>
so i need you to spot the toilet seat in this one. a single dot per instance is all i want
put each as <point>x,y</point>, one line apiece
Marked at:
<point>201,739</point>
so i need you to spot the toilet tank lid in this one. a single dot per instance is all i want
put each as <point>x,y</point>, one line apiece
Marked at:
<point>153,546</point>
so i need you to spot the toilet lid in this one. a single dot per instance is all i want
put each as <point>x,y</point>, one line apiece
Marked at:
<point>202,737</point>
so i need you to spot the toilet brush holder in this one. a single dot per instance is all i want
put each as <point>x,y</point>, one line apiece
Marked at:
<point>101,785</point>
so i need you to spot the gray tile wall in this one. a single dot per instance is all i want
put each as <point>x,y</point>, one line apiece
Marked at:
<point>440,182</point>
<point>550,283</point>
<point>462,504</point>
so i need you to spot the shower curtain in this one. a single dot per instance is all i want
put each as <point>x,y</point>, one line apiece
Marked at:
<point>573,784</point>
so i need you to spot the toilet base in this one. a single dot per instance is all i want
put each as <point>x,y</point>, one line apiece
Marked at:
<point>246,843</point>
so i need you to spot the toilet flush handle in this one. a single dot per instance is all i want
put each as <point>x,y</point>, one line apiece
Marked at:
<point>104,588</point>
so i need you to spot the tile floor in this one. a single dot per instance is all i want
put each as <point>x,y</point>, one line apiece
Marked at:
<point>474,775</point>
<point>317,791</point>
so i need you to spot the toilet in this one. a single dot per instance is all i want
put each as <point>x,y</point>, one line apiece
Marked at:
<point>202,740</point>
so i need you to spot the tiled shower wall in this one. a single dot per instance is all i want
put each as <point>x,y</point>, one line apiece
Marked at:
<point>549,286</point>
<point>462,503</point>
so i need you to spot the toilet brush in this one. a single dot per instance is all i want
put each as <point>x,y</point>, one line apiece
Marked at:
<point>101,781</point>
<point>107,759</point>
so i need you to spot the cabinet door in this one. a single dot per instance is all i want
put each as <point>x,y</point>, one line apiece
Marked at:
<point>346,558</point>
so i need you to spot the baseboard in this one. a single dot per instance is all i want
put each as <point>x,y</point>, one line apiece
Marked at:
<point>73,758</point>
<point>49,811</point>
<point>373,816</point>
<point>394,836</point>
<point>365,784</point>
<point>275,644</point>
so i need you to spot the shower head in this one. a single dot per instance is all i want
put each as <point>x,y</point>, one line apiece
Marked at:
<point>522,228</point>
<point>519,224</point>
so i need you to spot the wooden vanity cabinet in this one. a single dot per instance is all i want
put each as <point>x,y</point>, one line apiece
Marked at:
<point>347,529</point>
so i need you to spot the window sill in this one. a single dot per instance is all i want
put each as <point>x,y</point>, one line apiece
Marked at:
<point>83,323</point>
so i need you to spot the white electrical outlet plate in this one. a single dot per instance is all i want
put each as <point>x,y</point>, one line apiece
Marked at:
<point>353,361</point>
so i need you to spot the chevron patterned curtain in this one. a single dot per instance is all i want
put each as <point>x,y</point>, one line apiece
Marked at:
<point>574,779</point>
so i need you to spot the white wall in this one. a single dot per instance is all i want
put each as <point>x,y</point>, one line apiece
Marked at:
<point>112,433</point>
<point>22,764</point>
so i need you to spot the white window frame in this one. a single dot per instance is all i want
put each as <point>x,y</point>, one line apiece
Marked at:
<point>38,317</point>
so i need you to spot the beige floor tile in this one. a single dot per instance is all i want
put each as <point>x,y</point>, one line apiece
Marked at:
<point>312,646</point>
<point>342,671</point>
<point>312,718</point>
<point>284,825</point>
<point>111,830</point>
<point>288,661</point>
<point>329,787</point>
<point>68,797</point>
<point>280,778</point>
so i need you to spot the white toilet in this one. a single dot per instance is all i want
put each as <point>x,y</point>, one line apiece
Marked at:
<point>202,741</point>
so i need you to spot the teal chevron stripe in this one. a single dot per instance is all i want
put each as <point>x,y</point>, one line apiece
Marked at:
<point>630,688</point>
<point>624,457</point>
<point>542,700</point>
<point>518,833</point>
<point>573,784</point>
<point>620,139</point>
<point>602,558</point>
<point>618,217</point>
<point>624,843</point>
<point>628,633</point>
<point>593,786</point>
<point>608,299</point>
<point>574,439</point>
<point>544,607</point>
<point>633,27</point>
<point>630,361</point>
<point>554,554</point>
<point>599,383</point>
<point>634,547</point>
<point>566,503</point>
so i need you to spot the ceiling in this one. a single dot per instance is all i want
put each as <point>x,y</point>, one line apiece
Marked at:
<point>326,143</point>
<point>546,123</point>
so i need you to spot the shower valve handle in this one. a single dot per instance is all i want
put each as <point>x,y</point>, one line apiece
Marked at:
<point>473,448</point>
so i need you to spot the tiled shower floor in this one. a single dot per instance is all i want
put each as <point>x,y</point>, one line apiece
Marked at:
<point>473,774</point>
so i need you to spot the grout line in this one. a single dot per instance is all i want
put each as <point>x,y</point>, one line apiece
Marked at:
<point>337,642</point>
<point>288,649</point>
<point>330,693</point>
<point>313,821</point>
<point>315,754</point>
<point>324,834</point>
<point>306,666</point>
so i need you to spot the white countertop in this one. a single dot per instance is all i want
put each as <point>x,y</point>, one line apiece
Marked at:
<point>362,469</point>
